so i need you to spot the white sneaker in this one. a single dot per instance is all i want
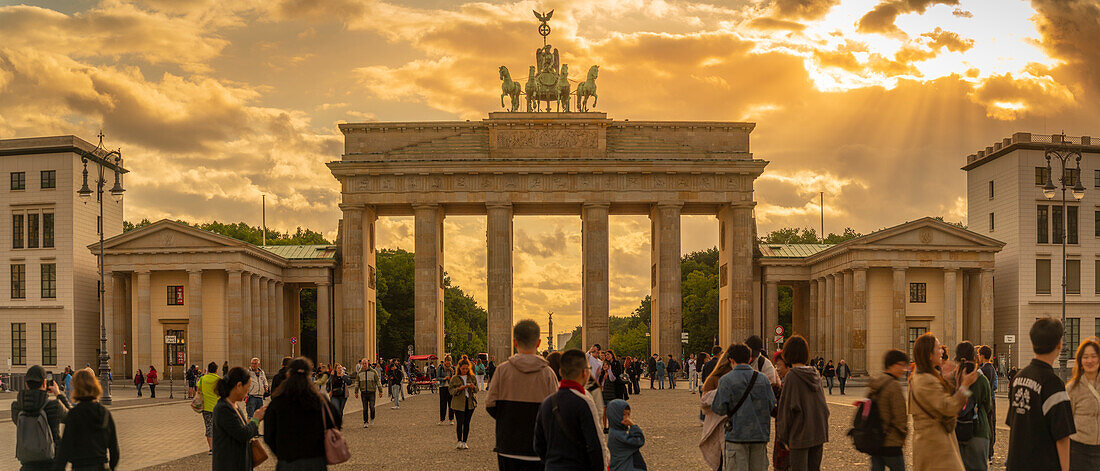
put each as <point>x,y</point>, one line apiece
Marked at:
<point>465,446</point>
<point>440,422</point>
<point>459,446</point>
<point>366,424</point>
<point>394,407</point>
<point>451,423</point>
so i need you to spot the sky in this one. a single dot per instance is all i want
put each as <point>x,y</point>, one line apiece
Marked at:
<point>876,103</point>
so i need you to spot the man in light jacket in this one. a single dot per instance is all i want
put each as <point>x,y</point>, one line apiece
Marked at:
<point>368,383</point>
<point>516,391</point>
<point>750,424</point>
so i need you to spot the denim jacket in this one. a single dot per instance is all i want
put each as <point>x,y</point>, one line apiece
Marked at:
<point>752,422</point>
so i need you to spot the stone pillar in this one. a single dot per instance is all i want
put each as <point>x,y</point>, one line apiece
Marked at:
<point>819,318</point>
<point>282,342</point>
<point>498,254</point>
<point>987,307</point>
<point>594,278</point>
<point>352,287</point>
<point>771,315</point>
<point>839,334</point>
<point>195,354</point>
<point>258,299</point>
<point>666,301</point>
<point>830,318</point>
<point>117,321</point>
<point>811,321</point>
<point>295,321</point>
<point>324,327</point>
<point>370,291</point>
<point>271,326</point>
<point>109,315</point>
<point>900,329</point>
<point>234,329</point>
<point>859,361</point>
<point>428,317</point>
<point>246,321</point>
<point>847,334</point>
<point>143,338</point>
<point>950,314</point>
<point>736,228</point>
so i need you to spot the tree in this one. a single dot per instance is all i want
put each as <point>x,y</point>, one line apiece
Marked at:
<point>794,235</point>
<point>246,233</point>
<point>574,341</point>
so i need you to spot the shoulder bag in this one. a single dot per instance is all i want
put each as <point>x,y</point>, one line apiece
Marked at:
<point>197,402</point>
<point>336,449</point>
<point>259,455</point>
<point>748,389</point>
<point>948,423</point>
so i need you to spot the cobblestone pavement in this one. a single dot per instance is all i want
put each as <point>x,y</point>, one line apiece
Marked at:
<point>168,436</point>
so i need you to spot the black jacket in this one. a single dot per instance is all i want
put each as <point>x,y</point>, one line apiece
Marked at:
<point>580,448</point>
<point>293,427</point>
<point>278,379</point>
<point>337,386</point>
<point>33,400</point>
<point>89,436</point>
<point>708,367</point>
<point>651,367</point>
<point>232,435</point>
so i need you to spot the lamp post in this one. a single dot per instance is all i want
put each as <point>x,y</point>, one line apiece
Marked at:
<point>110,160</point>
<point>1063,155</point>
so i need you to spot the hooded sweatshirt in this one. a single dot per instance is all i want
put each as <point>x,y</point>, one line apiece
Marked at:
<point>33,400</point>
<point>886,391</point>
<point>802,419</point>
<point>624,443</point>
<point>517,389</point>
<point>89,434</point>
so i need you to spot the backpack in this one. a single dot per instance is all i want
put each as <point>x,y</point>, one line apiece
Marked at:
<point>33,437</point>
<point>966,426</point>
<point>867,432</point>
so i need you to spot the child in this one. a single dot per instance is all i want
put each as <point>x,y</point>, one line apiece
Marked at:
<point>625,440</point>
<point>566,432</point>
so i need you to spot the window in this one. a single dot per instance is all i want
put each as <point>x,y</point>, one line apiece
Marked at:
<point>47,229</point>
<point>175,295</point>
<point>1056,228</point>
<point>1042,223</point>
<point>991,189</point>
<point>1073,276</point>
<point>1042,276</point>
<point>49,343</point>
<point>176,352</point>
<point>1096,178</point>
<point>19,180</point>
<point>914,334</point>
<point>49,179</point>
<point>918,292</point>
<point>1042,174</point>
<point>18,281</point>
<point>1097,278</point>
<point>991,222</point>
<point>19,343</point>
<point>98,225</point>
<point>1071,224</point>
<point>49,281</point>
<point>1070,176</point>
<point>32,230</point>
<point>1096,223</point>
<point>16,231</point>
<point>1072,336</point>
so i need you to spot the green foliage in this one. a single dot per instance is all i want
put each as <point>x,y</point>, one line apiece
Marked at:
<point>786,311</point>
<point>244,232</point>
<point>794,235</point>
<point>308,339</point>
<point>574,341</point>
<point>957,224</point>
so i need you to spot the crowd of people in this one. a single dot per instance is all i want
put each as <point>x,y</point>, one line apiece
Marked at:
<point>570,410</point>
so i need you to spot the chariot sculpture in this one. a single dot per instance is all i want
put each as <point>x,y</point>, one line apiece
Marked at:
<point>548,86</point>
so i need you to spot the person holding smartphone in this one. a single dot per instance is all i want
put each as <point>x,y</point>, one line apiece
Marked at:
<point>35,400</point>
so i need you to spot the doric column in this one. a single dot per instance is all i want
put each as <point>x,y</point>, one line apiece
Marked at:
<point>846,309</point>
<point>830,318</point>
<point>771,312</point>
<point>324,327</point>
<point>246,321</point>
<point>110,312</point>
<point>271,326</point>
<point>594,284</point>
<point>282,343</point>
<point>899,338</point>
<point>737,229</point>
<point>143,338</point>
<point>117,320</point>
<point>428,259</point>
<point>352,285</point>
<point>811,321</point>
<point>234,328</point>
<point>257,299</point>
<point>498,254</point>
<point>839,315</point>
<point>370,292</point>
<point>819,320</point>
<point>666,301</point>
<point>987,306</point>
<point>859,360</point>
<point>950,313</point>
<point>295,321</point>
<point>194,318</point>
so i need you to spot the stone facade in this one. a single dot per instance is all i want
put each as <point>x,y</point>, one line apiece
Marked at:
<point>580,164</point>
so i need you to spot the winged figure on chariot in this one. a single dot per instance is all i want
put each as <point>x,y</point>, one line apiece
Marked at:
<point>548,80</point>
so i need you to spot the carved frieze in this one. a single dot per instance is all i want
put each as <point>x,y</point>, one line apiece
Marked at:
<point>547,139</point>
<point>548,182</point>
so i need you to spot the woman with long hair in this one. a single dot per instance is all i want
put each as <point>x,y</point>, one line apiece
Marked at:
<point>90,441</point>
<point>443,377</point>
<point>463,386</point>
<point>297,418</point>
<point>935,403</point>
<point>337,388</point>
<point>714,430</point>
<point>233,434</point>
<point>152,380</point>
<point>139,381</point>
<point>1084,395</point>
<point>609,377</point>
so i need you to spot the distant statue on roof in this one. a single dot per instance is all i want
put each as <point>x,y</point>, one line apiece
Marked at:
<point>510,88</point>
<point>587,89</point>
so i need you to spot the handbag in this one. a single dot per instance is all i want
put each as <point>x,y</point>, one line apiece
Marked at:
<point>336,449</point>
<point>259,454</point>
<point>197,402</point>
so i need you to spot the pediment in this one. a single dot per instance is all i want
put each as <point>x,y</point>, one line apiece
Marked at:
<point>926,232</point>
<point>167,235</point>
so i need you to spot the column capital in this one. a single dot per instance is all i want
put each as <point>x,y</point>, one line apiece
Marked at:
<point>351,207</point>
<point>741,205</point>
<point>498,205</point>
<point>279,283</point>
<point>986,271</point>
<point>323,283</point>
<point>143,271</point>
<point>950,269</point>
<point>234,271</point>
<point>596,204</point>
<point>425,206</point>
<point>191,271</point>
<point>901,269</point>
<point>670,204</point>
<point>254,275</point>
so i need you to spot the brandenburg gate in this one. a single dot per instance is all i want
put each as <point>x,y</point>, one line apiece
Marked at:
<point>545,161</point>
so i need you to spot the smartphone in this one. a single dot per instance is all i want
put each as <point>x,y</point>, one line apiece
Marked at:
<point>49,383</point>
<point>968,367</point>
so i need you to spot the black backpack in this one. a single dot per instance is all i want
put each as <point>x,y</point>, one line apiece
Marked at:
<point>866,432</point>
<point>966,425</point>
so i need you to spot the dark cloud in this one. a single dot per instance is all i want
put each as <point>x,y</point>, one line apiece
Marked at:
<point>769,23</point>
<point>804,9</point>
<point>939,38</point>
<point>1071,32</point>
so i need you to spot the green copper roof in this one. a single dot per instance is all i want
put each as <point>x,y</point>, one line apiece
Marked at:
<point>791,250</point>
<point>302,252</point>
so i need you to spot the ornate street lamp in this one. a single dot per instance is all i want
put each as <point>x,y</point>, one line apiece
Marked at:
<point>111,160</point>
<point>1063,154</point>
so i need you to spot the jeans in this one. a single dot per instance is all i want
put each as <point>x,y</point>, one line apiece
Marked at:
<point>634,386</point>
<point>806,459</point>
<point>445,411</point>
<point>139,388</point>
<point>368,398</point>
<point>745,457</point>
<point>1083,457</point>
<point>842,381</point>
<point>463,428</point>
<point>396,394</point>
<point>672,380</point>
<point>693,380</point>
<point>660,383</point>
<point>253,403</point>
<point>829,380</point>
<point>152,390</point>
<point>652,378</point>
<point>975,454</point>
<point>339,402</point>
<point>895,463</point>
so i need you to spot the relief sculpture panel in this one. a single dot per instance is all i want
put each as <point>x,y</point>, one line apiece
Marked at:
<point>547,139</point>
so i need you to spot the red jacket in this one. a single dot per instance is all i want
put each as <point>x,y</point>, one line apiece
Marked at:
<point>151,378</point>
